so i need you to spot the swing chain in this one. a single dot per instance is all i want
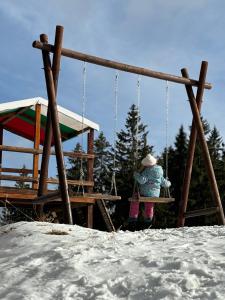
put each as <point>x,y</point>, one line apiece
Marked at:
<point>84,98</point>
<point>166,189</point>
<point>167,126</point>
<point>113,180</point>
<point>137,123</point>
<point>113,184</point>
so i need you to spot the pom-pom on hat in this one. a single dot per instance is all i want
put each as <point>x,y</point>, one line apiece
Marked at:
<point>149,160</point>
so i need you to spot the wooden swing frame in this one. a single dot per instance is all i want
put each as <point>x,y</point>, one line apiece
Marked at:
<point>51,76</point>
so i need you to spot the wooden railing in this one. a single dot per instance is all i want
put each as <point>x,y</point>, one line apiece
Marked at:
<point>40,151</point>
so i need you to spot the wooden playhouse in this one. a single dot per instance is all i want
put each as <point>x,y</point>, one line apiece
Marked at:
<point>27,119</point>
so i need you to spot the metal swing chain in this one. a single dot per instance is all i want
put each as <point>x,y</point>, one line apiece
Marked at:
<point>113,181</point>
<point>82,129</point>
<point>136,193</point>
<point>167,191</point>
<point>138,113</point>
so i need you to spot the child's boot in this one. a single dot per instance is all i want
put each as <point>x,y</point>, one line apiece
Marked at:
<point>132,224</point>
<point>148,223</point>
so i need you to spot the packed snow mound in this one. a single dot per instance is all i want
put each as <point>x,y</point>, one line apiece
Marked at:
<point>55,261</point>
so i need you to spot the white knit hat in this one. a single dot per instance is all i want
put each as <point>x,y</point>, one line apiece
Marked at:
<point>148,161</point>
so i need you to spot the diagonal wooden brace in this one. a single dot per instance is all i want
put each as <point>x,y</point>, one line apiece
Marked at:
<point>205,150</point>
<point>192,141</point>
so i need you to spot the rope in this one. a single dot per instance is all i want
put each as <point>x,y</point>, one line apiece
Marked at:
<point>84,98</point>
<point>113,181</point>
<point>16,208</point>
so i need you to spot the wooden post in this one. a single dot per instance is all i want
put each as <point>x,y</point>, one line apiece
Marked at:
<point>57,137</point>
<point>37,134</point>
<point>192,143</point>
<point>46,147</point>
<point>90,175</point>
<point>206,155</point>
<point>48,129</point>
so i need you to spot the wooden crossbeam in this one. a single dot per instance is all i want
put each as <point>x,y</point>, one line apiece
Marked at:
<point>16,170</point>
<point>118,65</point>
<point>77,199</point>
<point>71,182</point>
<point>15,196</point>
<point>13,190</point>
<point>50,180</point>
<point>40,151</point>
<point>18,178</point>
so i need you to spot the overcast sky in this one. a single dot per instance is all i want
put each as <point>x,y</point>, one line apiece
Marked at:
<point>161,35</point>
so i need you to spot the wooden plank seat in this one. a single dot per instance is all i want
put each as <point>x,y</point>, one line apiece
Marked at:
<point>153,199</point>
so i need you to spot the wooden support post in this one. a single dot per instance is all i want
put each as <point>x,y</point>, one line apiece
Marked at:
<point>192,142</point>
<point>206,155</point>
<point>57,136</point>
<point>90,175</point>
<point>48,129</point>
<point>47,146</point>
<point>37,135</point>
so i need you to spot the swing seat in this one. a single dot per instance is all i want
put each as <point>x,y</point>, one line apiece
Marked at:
<point>152,199</point>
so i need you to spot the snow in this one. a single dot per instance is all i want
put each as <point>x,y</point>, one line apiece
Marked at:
<point>56,261</point>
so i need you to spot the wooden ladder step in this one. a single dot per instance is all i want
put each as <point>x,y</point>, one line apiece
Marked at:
<point>201,212</point>
<point>105,214</point>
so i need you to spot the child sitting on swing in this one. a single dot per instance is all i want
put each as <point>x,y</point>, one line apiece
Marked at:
<point>150,181</point>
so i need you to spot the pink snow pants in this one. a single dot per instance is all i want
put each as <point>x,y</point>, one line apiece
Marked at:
<point>134,210</point>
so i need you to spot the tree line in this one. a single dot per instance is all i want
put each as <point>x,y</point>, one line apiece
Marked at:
<point>120,160</point>
<point>123,158</point>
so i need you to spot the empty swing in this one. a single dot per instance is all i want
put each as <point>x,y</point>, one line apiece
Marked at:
<point>136,192</point>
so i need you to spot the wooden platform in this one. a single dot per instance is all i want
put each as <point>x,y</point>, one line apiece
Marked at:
<point>29,197</point>
<point>76,198</point>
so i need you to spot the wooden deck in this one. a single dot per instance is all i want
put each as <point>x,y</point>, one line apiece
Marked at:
<point>28,197</point>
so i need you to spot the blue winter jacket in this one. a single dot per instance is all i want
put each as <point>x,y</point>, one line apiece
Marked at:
<point>150,180</point>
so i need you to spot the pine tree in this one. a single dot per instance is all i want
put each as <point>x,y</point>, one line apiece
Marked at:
<point>131,147</point>
<point>74,171</point>
<point>200,195</point>
<point>215,144</point>
<point>22,184</point>
<point>198,180</point>
<point>102,164</point>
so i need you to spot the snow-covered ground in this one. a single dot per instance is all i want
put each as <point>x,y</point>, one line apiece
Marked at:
<point>53,261</point>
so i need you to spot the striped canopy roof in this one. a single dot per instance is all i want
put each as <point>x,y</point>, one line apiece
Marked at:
<point>18,117</point>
